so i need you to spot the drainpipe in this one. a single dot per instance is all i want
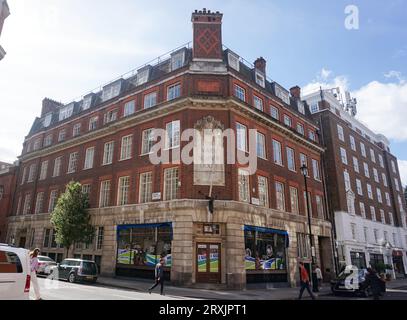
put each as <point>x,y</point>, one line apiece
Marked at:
<point>328,207</point>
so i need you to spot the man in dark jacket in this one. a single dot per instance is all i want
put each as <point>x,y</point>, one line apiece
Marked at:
<point>373,281</point>
<point>159,276</point>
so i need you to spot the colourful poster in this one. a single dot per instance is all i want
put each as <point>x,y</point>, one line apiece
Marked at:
<point>269,264</point>
<point>127,256</point>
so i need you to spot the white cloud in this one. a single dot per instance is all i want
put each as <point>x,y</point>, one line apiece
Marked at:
<point>394,74</point>
<point>64,49</point>
<point>325,73</point>
<point>383,107</point>
<point>324,80</point>
<point>403,171</point>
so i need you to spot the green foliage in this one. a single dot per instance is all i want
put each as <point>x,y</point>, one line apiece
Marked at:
<point>379,267</point>
<point>71,218</point>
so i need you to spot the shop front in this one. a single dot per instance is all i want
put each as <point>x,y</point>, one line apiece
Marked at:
<point>377,261</point>
<point>358,259</point>
<point>140,247</point>
<point>266,254</point>
<point>398,264</point>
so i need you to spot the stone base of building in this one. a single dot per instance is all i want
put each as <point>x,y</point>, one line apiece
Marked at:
<point>212,250</point>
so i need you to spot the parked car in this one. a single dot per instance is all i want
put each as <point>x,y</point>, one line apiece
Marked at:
<point>350,280</point>
<point>75,270</point>
<point>44,265</point>
<point>14,273</point>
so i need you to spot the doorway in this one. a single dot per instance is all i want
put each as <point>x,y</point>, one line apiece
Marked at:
<point>208,263</point>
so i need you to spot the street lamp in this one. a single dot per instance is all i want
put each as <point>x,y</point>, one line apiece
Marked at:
<point>304,171</point>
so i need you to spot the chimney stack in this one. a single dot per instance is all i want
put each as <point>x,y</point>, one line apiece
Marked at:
<point>260,64</point>
<point>49,105</point>
<point>207,35</point>
<point>296,92</point>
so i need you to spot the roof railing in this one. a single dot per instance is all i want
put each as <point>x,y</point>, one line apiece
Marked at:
<point>154,62</point>
<point>249,64</point>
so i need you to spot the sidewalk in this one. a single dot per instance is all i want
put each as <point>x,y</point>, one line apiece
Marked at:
<point>142,285</point>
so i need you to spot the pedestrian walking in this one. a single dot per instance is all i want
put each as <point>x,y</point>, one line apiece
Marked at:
<point>33,272</point>
<point>304,279</point>
<point>373,281</point>
<point>159,276</point>
<point>314,279</point>
<point>383,284</point>
<point>319,276</point>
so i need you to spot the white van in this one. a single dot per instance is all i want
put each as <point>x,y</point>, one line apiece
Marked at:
<point>14,273</point>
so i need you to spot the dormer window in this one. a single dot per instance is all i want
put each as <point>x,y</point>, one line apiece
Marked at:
<point>282,94</point>
<point>66,112</point>
<point>260,79</point>
<point>111,91</point>
<point>233,61</point>
<point>142,76</point>
<point>300,105</point>
<point>47,120</point>
<point>87,101</point>
<point>177,60</point>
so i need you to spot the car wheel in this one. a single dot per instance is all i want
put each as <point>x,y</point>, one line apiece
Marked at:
<point>72,278</point>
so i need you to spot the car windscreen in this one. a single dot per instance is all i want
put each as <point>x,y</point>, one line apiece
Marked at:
<point>89,267</point>
<point>45,259</point>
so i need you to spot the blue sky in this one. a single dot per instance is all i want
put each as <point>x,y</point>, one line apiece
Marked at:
<point>61,49</point>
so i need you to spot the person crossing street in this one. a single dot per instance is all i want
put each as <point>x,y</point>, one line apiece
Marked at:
<point>304,279</point>
<point>159,276</point>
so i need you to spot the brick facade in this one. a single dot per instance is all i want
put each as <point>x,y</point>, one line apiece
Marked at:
<point>207,88</point>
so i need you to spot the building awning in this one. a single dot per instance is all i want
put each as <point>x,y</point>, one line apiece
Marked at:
<point>269,230</point>
<point>144,225</point>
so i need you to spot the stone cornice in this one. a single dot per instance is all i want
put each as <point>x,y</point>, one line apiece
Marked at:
<point>166,208</point>
<point>168,108</point>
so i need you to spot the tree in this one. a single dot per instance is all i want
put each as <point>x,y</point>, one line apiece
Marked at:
<point>405,193</point>
<point>71,219</point>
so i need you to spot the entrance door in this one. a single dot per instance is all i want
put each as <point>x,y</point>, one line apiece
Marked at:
<point>208,262</point>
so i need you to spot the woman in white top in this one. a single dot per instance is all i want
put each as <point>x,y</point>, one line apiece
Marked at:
<point>319,276</point>
<point>34,269</point>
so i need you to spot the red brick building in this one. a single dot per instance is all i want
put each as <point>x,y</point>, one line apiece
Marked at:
<point>7,188</point>
<point>258,229</point>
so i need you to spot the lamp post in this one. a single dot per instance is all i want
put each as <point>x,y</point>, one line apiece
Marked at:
<point>304,171</point>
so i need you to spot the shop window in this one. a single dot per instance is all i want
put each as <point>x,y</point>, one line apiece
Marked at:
<point>265,249</point>
<point>142,246</point>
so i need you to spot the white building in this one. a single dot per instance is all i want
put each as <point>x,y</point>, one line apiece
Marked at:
<point>364,186</point>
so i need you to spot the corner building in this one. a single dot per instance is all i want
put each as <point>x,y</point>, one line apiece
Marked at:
<point>257,232</point>
<point>364,187</point>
